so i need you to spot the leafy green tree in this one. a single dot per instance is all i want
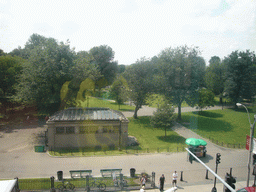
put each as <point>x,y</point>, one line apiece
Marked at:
<point>2,53</point>
<point>240,76</point>
<point>119,90</point>
<point>103,57</point>
<point>139,79</point>
<point>163,117</point>
<point>181,72</point>
<point>215,76</point>
<point>47,69</point>
<point>84,75</point>
<point>205,98</point>
<point>10,68</point>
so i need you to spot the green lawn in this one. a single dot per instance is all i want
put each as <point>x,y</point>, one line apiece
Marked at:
<point>95,102</point>
<point>154,138</point>
<point>228,126</point>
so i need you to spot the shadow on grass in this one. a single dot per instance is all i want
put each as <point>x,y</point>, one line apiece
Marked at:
<point>208,114</point>
<point>207,124</point>
<point>172,139</point>
<point>145,120</point>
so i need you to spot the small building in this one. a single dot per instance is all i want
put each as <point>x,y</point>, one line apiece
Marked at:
<point>87,127</point>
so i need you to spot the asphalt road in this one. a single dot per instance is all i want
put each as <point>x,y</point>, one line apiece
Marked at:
<point>18,159</point>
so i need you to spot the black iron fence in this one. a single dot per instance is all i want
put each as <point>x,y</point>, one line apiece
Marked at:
<point>228,145</point>
<point>113,151</point>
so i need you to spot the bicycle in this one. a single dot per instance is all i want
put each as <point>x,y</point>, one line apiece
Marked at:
<point>100,185</point>
<point>118,183</point>
<point>65,186</point>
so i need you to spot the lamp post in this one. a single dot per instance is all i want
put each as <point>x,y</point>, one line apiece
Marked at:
<point>251,141</point>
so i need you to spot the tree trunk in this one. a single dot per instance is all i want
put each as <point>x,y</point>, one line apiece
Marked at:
<point>135,116</point>
<point>179,111</point>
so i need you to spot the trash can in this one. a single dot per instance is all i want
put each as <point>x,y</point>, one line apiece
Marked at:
<point>39,148</point>
<point>60,175</point>
<point>132,172</point>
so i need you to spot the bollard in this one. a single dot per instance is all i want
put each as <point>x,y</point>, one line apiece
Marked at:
<point>206,177</point>
<point>181,176</point>
<point>52,184</point>
<point>153,179</point>
<point>121,181</point>
<point>87,183</point>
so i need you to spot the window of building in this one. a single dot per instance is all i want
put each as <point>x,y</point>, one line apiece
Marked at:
<point>70,130</point>
<point>60,130</point>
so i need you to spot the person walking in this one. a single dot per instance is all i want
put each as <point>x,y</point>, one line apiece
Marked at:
<point>161,181</point>
<point>174,179</point>
<point>143,180</point>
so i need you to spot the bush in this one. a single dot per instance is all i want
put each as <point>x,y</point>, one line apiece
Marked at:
<point>163,117</point>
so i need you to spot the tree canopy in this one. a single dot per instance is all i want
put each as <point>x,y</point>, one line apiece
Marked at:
<point>240,75</point>
<point>182,72</point>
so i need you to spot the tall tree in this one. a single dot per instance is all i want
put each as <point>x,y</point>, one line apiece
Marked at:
<point>182,73</point>
<point>215,76</point>
<point>119,90</point>
<point>48,68</point>
<point>139,79</point>
<point>10,68</point>
<point>103,57</point>
<point>240,76</point>
<point>84,74</point>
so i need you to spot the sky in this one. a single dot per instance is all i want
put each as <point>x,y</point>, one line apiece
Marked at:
<point>133,29</point>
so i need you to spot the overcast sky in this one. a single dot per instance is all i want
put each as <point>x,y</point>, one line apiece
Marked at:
<point>133,29</point>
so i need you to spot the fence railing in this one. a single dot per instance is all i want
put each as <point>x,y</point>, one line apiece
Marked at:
<point>113,151</point>
<point>228,145</point>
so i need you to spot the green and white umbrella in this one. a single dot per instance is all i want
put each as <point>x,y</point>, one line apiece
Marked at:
<point>202,142</point>
<point>192,141</point>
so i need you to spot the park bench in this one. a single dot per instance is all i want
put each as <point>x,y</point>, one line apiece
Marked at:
<point>80,173</point>
<point>109,172</point>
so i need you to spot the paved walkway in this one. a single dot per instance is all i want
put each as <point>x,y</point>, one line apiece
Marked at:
<point>148,111</point>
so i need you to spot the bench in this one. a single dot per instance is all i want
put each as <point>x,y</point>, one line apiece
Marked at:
<point>109,172</point>
<point>80,173</point>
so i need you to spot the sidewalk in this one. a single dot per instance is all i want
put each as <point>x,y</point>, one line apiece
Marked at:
<point>200,187</point>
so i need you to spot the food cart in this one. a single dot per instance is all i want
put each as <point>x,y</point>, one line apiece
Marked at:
<point>197,146</point>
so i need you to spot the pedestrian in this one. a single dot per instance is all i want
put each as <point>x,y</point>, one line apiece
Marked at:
<point>142,189</point>
<point>161,181</point>
<point>143,180</point>
<point>174,179</point>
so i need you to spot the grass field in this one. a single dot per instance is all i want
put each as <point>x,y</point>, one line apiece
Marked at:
<point>227,126</point>
<point>95,102</point>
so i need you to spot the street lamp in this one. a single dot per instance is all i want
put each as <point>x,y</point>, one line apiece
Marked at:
<point>251,141</point>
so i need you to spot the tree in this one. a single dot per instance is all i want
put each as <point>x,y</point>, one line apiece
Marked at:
<point>47,69</point>
<point>103,58</point>
<point>118,90</point>
<point>10,68</point>
<point>181,72</point>
<point>84,75</point>
<point>163,117</point>
<point>215,76</point>
<point>240,76</point>
<point>206,98</point>
<point>139,79</point>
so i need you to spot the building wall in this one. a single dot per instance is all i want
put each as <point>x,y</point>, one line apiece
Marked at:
<point>87,134</point>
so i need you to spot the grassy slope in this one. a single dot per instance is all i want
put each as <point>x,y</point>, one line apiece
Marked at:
<point>227,126</point>
<point>152,138</point>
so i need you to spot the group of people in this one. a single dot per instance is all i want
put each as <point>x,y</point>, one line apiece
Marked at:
<point>161,181</point>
